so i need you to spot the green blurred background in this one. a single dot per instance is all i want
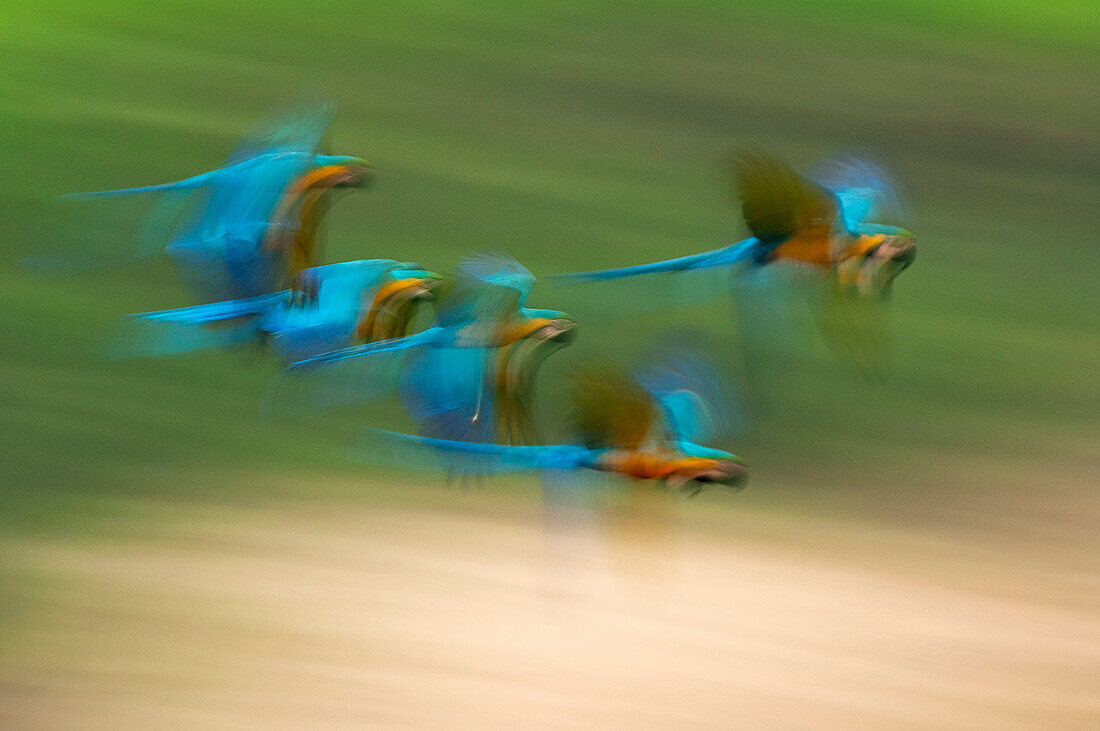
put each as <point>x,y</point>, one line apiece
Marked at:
<point>573,136</point>
<point>912,550</point>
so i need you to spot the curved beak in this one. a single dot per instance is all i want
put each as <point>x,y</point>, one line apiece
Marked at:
<point>357,173</point>
<point>730,473</point>
<point>560,331</point>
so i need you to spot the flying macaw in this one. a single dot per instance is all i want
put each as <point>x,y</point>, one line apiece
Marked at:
<point>819,223</point>
<point>469,376</point>
<point>248,227</point>
<point>822,222</point>
<point>330,307</point>
<point>647,428</point>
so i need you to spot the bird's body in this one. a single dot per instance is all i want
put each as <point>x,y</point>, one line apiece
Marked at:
<point>470,376</point>
<point>622,427</point>
<point>246,228</point>
<point>331,307</point>
<point>795,219</point>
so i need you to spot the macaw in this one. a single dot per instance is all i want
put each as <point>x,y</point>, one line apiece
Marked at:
<point>648,429</point>
<point>819,223</point>
<point>823,223</point>
<point>328,308</point>
<point>247,228</point>
<point>470,375</point>
<point>645,428</point>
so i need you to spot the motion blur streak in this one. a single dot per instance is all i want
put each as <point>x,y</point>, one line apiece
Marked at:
<point>353,614</point>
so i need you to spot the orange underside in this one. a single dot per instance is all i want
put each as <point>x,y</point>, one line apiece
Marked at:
<point>522,329</point>
<point>510,336</point>
<point>308,192</point>
<point>648,466</point>
<point>322,177</point>
<point>366,325</point>
<point>812,246</point>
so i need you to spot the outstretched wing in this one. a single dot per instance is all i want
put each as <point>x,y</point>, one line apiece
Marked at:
<point>345,377</point>
<point>637,290</point>
<point>696,400</point>
<point>299,130</point>
<point>776,202</point>
<point>189,329</point>
<point>498,270</point>
<point>447,390</point>
<point>408,451</point>
<point>215,312</point>
<point>726,256</point>
<point>865,191</point>
<point>610,410</point>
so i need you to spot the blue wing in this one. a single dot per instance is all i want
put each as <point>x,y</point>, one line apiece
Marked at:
<point>217,311</point>
<point>430,453</point>
<point>694,392</point>
<point>297,130</point>
<point>213,224</point>
<point>450,392</point>
<point>326,323</point>
<point>189,329</point>
<point>347,377</point>
<point>397,345</point>
<point>864,190</point>
<point>727,256</point>
<point>191,183</point>
<point>672,284</point>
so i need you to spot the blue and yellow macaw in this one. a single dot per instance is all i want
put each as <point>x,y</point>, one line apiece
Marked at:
<point>330,307</point>
<point>469,376</point>
<point>823,223</point>
<point>646,428</point>
<point>247,228</point>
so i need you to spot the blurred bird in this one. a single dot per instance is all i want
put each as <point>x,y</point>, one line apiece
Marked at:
<point>643,427</point>
<point>470,376</point>
<point>646,429</point>
<point>329,307</point>
<point>821,223</point>
<point>247,228</point>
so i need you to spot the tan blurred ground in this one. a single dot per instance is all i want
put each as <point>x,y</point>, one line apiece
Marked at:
<point>461,614</point>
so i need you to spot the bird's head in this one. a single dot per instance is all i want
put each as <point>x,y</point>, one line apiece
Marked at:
<point>692,475</point>
<point>345,171</point>
<point>874,260</point>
